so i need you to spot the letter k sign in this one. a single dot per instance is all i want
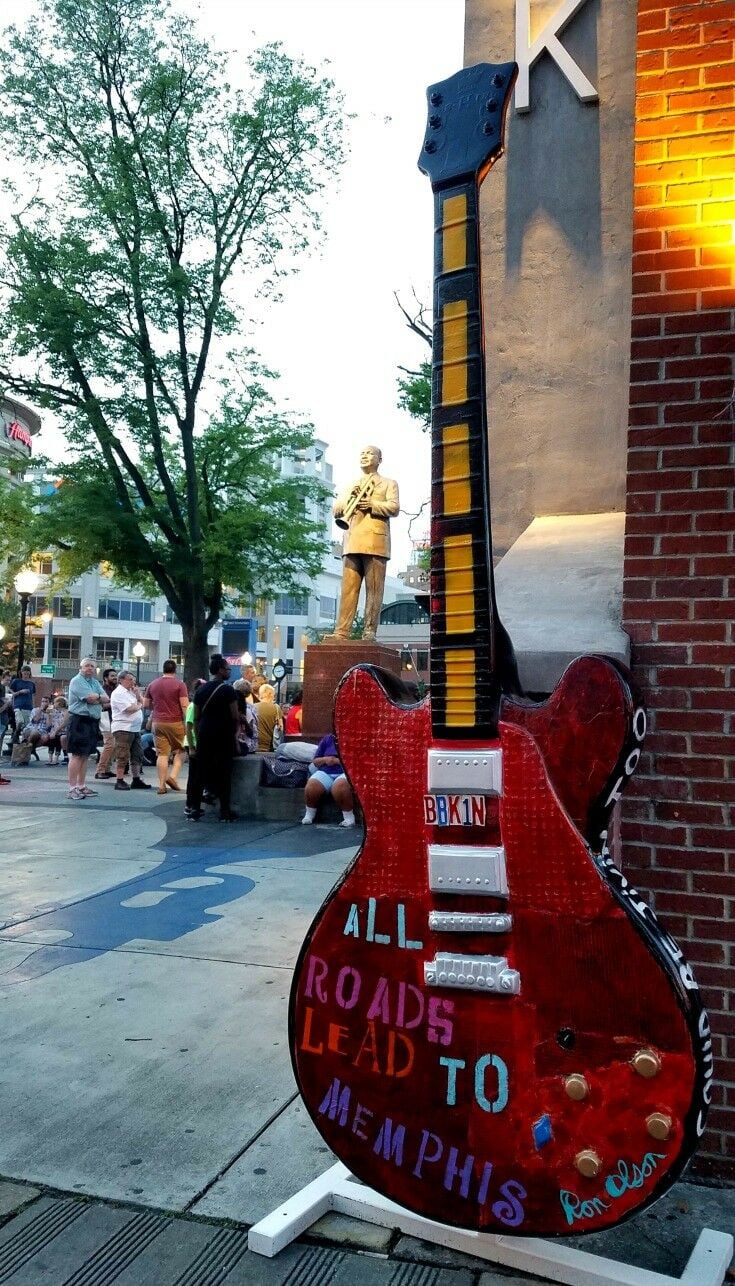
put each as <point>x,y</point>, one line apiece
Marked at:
<point>527,52</point>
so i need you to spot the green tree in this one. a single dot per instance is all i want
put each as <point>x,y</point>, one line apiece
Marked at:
<point>356,629</point>
<point>17,517</point>
<point>414,385</point>
<point>10,623</point>
<point>167,202</point>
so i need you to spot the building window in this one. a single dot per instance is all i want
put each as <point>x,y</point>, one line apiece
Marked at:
<point>171,616</point>
<point>327,608</point>
<point>44,565</point>
<point>176,652</point>
<point>407,612</point>
<point>63,605</point>
<point>422,660</point>
<point>290,630</point>
<point>292,605</point>
<point>125,609</point>
<point>65,649</point>
<point>34,648</point>
<point>109,649</point>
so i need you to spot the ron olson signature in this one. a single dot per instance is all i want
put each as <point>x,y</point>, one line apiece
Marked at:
<point>617,1183</point>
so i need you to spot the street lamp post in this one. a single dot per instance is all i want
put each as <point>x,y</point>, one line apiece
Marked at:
<point>26,583</point>
<point>138,653</point>
<point>48,619</point>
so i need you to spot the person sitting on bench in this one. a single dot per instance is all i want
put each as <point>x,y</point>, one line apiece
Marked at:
<point>327,776</point>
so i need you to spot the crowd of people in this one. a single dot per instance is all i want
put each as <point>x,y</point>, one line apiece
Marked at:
<point>126,727</point>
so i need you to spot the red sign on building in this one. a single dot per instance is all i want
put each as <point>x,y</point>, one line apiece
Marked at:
<point>18,433</point>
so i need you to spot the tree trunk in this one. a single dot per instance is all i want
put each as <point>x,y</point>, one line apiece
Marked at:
<point>196,651</point>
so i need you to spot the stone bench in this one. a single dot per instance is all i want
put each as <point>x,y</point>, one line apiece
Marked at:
<point>246,785</point>
<point>272,803</point>
<point>286,804</point>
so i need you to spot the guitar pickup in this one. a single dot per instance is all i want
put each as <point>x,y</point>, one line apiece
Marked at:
<point>469,922</point>
<point>464,868</point>
<point>466,772</point>
<point>472,973</point>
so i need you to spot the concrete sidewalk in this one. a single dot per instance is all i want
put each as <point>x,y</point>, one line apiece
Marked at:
<point>146,1087</point>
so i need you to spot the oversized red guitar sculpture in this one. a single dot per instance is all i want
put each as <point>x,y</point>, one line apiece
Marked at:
<point>488,1025</point>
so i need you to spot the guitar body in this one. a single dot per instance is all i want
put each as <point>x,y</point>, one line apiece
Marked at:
<point>456,1104</point>
<point>589,732</point>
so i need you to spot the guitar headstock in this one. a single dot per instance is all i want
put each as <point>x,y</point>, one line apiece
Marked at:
<point>465,128</point>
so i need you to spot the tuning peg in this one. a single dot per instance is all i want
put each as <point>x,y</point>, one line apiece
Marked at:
<point>576,1087</point>
<point>647,1063</point>
<point>659,1125</point>
<point>492,104</point>
<point>435,122</point>
<point>498,81</point>
<point>430,145</point>
<point>488,128</point>
<point>435,99</point>
<point>588,1163</point>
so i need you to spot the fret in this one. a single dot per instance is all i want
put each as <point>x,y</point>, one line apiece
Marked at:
<point>454,362</point>
<point>457,489</point>
<point>454,233</point>
<point>459,585</point>
<point>460,668</point>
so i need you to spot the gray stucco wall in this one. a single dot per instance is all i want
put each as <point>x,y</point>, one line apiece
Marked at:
<point>557,235</point>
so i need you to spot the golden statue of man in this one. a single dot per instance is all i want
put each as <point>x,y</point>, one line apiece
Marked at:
<point>364,511</point>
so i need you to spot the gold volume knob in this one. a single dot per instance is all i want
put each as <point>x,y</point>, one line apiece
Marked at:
<point>576,1086</point>
<point>659,1125</point>
<point>647,1063</point>
<point>588,1163</point>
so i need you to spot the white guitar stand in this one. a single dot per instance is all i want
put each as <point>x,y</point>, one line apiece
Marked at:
<point>337,1190</point>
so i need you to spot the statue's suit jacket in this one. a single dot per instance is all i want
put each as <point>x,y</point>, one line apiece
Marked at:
<point>369,533</point>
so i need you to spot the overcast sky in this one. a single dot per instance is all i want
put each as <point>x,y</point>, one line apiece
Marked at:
<point>337,337</point>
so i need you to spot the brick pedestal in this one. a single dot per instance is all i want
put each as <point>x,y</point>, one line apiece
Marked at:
<point>324,666</point>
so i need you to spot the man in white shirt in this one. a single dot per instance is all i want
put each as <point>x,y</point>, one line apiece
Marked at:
<point>126,710</point>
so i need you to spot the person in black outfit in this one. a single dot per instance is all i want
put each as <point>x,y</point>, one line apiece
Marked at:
<point>216,720</point>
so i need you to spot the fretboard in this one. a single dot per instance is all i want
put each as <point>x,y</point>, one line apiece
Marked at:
<point>465,689</point>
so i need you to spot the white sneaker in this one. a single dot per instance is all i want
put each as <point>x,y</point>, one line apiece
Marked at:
<point>347,826</point>
<point>307,821</point>
<point>76,793</point>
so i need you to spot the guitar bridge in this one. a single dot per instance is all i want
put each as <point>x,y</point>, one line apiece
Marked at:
<point>472,973</point>
<point>468,922</point>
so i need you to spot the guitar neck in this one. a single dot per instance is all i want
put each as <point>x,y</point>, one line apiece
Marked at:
<point>465,689</point>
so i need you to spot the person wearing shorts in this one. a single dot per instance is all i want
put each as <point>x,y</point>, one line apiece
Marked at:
<point>87,698</point>
<point>168,699</point>
<point>126,721</point>
<point>327,776</point>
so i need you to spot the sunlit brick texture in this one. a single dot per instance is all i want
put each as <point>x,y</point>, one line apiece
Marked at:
<point>678,836</point>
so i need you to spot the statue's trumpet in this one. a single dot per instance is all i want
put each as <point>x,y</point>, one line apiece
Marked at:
<point>361,491</point>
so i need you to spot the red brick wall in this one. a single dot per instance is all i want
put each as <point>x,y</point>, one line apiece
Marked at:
<point>678,836</point>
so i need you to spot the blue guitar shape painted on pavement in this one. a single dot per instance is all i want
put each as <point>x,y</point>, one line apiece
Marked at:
<point>161,906</point>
